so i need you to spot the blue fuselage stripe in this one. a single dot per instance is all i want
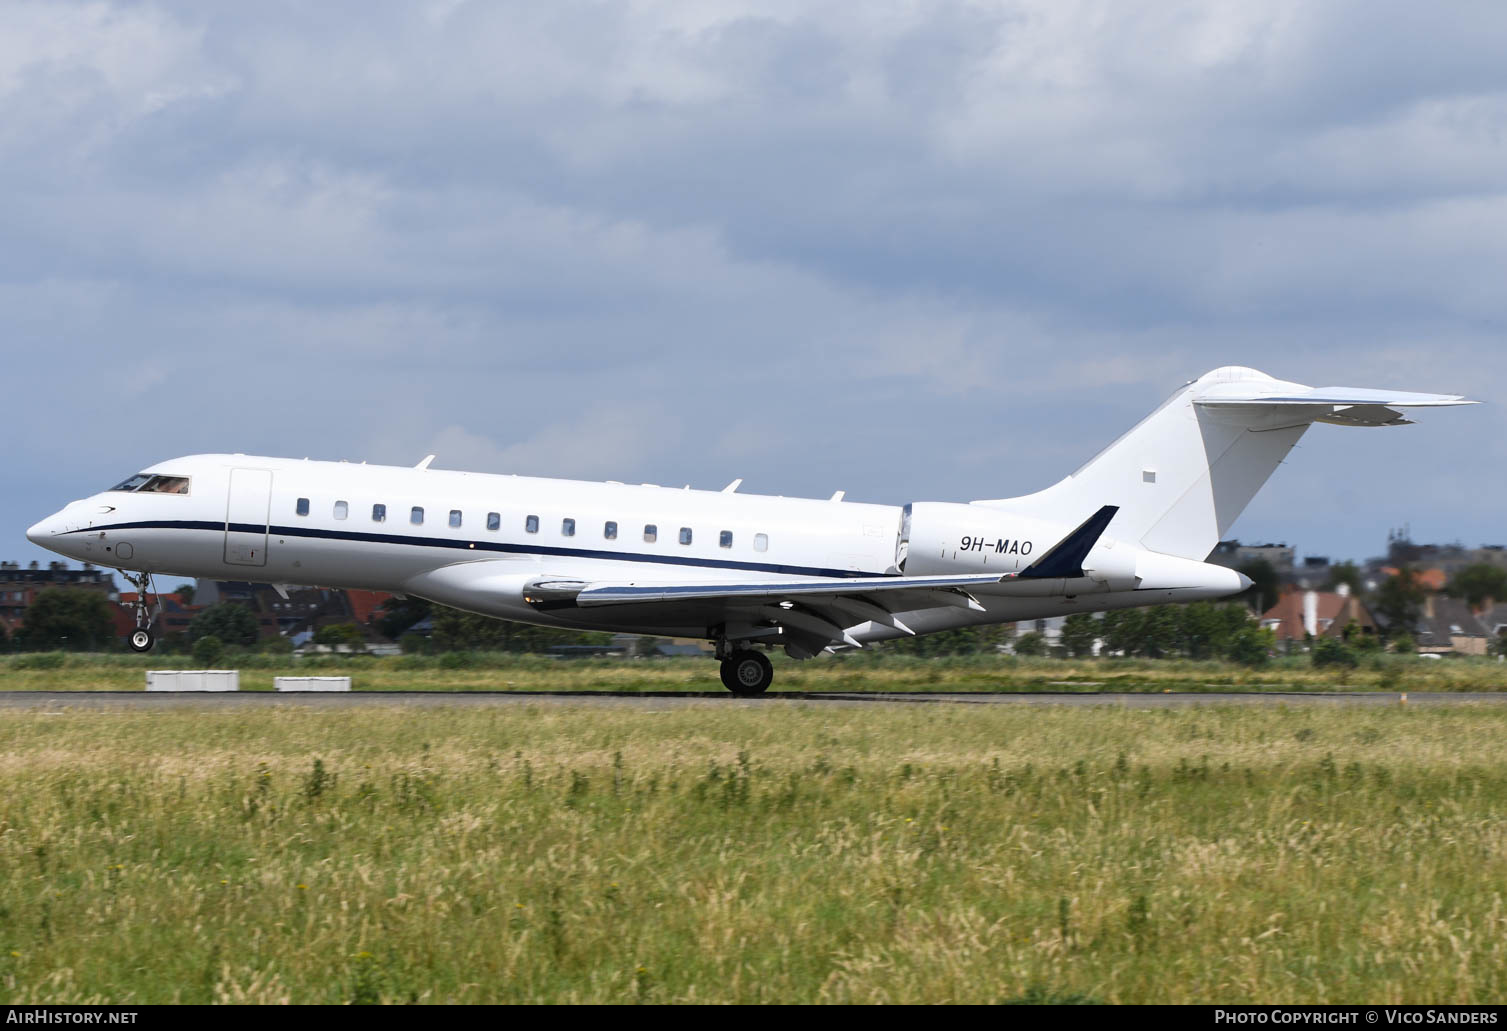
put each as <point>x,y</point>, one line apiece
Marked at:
<point>475,546</point>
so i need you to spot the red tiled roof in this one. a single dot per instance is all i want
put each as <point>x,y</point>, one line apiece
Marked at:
<point>364,604</point>
<point>1333,613</point>
<point>1428,579</point>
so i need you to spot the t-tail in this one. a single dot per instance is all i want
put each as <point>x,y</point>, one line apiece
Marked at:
<point>1182,475</point>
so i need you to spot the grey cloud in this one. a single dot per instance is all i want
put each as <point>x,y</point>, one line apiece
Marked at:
<point>950,248</point>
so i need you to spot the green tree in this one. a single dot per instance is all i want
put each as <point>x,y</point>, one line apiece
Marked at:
<point>337,635</point>
<point>232,623</point>
<point>1346,573</point>
<point>1478,583</point>
<point>1398,602</point>
<point>1161,631</point>
<point>1251,645</point>
<point>463,631</point>
<point>966,640</point>
<point>1032,643</point>
<point>71,620</point>
<point>1265,585</point>
<point>207,650</point>
<point>1122,630</point>
<point>1234,620</point>
<point>186,592</point>
<point>1080,631</point>
<point>1331,651</point>
<point>1202,630</point>
<point>397,615</point>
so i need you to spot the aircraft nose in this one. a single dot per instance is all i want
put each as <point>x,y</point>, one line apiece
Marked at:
<point>40,532</point>
<point>1245,581</point>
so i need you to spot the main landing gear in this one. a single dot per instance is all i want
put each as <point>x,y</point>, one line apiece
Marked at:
<point>746,672</point>
<point>143,637</point>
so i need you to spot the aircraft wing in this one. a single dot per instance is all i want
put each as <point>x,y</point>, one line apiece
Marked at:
<point>786,590</point>
<point>815,612</point>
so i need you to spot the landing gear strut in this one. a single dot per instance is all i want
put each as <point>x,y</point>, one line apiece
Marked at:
<point>142,638</point>
<point>746,672</point>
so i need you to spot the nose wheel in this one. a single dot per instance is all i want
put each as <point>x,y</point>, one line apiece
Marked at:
<point>746,673</point>
<point>142,638</point>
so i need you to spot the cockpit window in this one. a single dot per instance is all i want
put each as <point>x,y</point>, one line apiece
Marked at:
<point>142,483</point>
<point>165,485</point>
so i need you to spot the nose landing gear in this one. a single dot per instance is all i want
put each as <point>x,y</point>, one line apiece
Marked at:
<point>143,637</point>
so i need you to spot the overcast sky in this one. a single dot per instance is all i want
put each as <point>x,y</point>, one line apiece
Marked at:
<point>910,250</point>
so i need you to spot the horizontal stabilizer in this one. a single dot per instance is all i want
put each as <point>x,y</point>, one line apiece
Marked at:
<point>1340,406</point>
<point>1066,559</point>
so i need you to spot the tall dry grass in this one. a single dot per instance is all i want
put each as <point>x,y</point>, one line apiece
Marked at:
<point>860,671</point>
<point>772,854</point>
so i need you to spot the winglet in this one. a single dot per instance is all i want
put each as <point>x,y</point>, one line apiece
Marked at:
<point>1066,559</point>
<point>425,463</point>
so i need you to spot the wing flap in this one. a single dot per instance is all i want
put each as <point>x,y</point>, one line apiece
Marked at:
<point>786,590</point>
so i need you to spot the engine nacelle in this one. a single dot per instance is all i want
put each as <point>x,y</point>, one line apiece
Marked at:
<point>938,538</point>
<point>1113,564</point>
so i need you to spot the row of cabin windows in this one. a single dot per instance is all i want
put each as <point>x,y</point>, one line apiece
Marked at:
<point>531,524</point>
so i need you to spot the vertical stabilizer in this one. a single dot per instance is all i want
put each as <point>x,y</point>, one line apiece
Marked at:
<point>1183,474</point>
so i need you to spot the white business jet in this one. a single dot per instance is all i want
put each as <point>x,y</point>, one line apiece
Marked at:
<point>1129,528</point>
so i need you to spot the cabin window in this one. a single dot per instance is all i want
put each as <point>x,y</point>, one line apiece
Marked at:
<point>379,513</point>
<point>685,535</point>
<point>651,533</point>
<point>761,542</point>
<point>416,516</point>
<point>455,517</point>
<point>567,528</point>
<point>725,539</point>
<point>609,530</point>
<point>302,508</point>
<point>494,520</point>
<point>531,524</point>
<point>341,510</point>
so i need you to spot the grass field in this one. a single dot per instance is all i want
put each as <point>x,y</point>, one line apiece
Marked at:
<point>851,672</point>
<point>788,854</point>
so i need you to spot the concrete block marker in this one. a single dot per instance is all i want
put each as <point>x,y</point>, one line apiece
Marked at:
<point>312,683</point>
<point>193,680</point>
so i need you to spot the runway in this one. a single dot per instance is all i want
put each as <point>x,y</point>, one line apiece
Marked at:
<point>141,701</point>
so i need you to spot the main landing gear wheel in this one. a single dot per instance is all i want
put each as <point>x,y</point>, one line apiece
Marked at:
<point>141,639</point>
<point>746,672</point>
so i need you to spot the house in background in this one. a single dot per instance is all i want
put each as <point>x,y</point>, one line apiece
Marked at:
<point>1302,614</point>
<point>1448,626</point>
<point>305,609</point>
<point>19,587</point>
<point>176,615</point>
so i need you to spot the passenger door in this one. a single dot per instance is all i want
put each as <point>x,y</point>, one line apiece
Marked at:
<point>247,513</point>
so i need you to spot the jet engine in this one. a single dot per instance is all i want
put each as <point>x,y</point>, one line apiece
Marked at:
<point>1112,564</point>
<point>942,538</point>
<point>937,538</point>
